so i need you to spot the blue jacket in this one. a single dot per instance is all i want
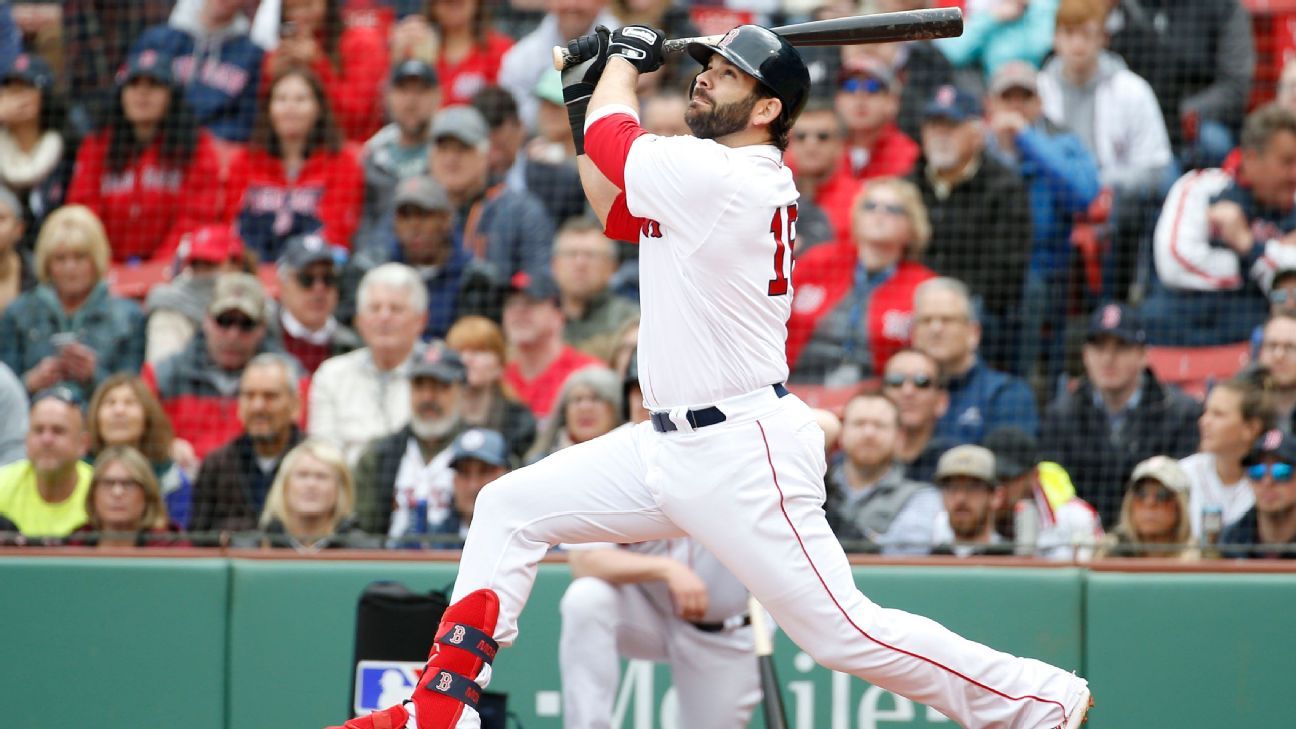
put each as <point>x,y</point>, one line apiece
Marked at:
<point>983,399</point>
<point>517,229</point>
<point>444,289</point>
<point>112,327</point>
<point>220,73</point>
<point>1061,180</point>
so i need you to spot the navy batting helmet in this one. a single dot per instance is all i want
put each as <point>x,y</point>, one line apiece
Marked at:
<point>769,58</point>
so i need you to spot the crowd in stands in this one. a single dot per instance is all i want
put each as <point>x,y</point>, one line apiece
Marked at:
<point>310,274</point>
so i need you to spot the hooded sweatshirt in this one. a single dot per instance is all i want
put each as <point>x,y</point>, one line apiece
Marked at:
<point>1118,118</point>
<point>220,69</point>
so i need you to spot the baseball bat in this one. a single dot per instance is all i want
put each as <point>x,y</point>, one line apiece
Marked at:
<point>904,25</point>
<point>771,693</point>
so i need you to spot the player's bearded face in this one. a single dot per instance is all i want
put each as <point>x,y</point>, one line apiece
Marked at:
<point>714,120</point>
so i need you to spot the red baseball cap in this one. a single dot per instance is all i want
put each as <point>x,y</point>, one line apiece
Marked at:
<point>211,243</point>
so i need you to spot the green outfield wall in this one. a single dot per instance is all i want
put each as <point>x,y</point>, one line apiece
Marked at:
<point>222,643</point>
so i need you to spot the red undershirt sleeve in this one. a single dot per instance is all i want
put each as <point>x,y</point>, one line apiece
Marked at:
<point>607,143</point>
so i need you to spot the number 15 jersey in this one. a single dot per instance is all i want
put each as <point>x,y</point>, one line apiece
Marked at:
<point>716,227</point>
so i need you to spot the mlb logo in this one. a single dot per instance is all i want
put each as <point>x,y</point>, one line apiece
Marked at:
<point>380,684</point>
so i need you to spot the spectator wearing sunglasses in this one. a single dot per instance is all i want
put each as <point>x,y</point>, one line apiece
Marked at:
<point>855,300</point>
<point>303,321</point>
<point>946,326</point>
<point>1276,352</point>
<point>1268,529</point>
<point>868,101</point>
<point>1282,300</point>
<point>912,381</point>
<point>1119,415</point>
<point>869,498</point>
<point>1154,514</point>
<point>199,385</point>
<point>175,309</point>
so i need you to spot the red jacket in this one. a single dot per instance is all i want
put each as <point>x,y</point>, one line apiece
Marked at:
<point>836,196</point>
<point>539,394</point>
<point>148,207</point>
<point>825,274</point>
<point>355,89</point>
<point>475,71</point>
<point>267,208</point>
<point>893,155</point>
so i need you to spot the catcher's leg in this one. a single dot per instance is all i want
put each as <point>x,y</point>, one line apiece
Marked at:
<point>458,669</point>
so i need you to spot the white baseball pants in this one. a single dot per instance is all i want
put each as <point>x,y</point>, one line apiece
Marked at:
<point>751,491</point>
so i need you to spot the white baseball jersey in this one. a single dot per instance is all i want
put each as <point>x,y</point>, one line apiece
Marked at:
<point>717,230</point>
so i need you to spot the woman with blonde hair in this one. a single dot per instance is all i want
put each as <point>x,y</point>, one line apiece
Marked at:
<point>1154,517</point>
<point>70,330</point>
<point>311,504</point>
<point>487,401</point>
<point>587,406</point>
<point>124,506</point>
<point>854,302</point>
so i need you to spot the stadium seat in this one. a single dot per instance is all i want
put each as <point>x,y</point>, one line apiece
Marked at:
<point>1195,369</point>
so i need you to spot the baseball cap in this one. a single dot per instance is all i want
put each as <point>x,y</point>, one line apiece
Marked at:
<point>479,444</point>
<point>1164,470</point>
<point>211,244</point>
<point>238,292</point>
<point>539,286</point>
<point>972,461</point>
<point>31,70</point>
<point>150,63</point>
<point>549,87</point>
<point>423,192</point>
<point>301,251</point>
<point>1274,443</point>
<point>438,362</point>
<point>461,122</point>
<point>952,103</point>
<point>1015,452</point>
<point>1116,320</point>
<point>414,68</point>
<point>1014,75</point>
<point>867,67</point>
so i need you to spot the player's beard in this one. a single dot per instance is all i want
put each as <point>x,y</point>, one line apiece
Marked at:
<point>720,119</point>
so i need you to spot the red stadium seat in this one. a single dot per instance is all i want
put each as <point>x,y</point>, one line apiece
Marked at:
<point>1195,369</point>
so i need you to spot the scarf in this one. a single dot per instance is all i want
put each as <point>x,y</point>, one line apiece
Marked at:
<point>23,171</point>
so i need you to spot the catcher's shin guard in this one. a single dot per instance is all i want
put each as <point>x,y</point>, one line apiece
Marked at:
<point>458,669</point>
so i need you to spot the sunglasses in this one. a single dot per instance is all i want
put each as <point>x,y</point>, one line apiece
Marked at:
<point>819,136</point>
<point>61,393</point>
<point>308,280</point>
<point>922,382</point>
<point>234,321</point>
<point>856,85</point>
<point>1281,472</point>
<point>1153,492</point>
<point>888,208</point>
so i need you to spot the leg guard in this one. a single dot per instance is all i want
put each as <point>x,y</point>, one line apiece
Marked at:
<point>462,653</point>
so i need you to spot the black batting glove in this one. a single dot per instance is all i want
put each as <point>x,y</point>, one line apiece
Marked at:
<point>580,78</point>
<point>638,44</point>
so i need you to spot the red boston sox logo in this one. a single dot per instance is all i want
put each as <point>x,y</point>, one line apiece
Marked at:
<point>1111,316</point>
<point>1272,439</point>
<point>728,38</point>
<point>457,635</point>
<point>650,229</point>
<point>945,95</point>
<point>21,63</point>
<point>444,681</point>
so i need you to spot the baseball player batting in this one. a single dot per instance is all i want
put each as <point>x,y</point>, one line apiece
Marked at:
<point>728,457</point>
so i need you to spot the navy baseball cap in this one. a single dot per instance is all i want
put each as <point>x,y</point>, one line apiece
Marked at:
<point>953,104</point>
<point>1116,320</point>
<point>539,286</point>
<point>414,68</point>
<point>31,70</point>
<point>301,251</point>
<point>479,444</point>
<point>1274,443</point>
<point>440,363</point>
<point>1015,451</point>
<point>150,63</point>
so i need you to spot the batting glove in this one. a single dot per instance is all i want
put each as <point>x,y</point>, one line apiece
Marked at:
<point>579,79</point>
<point>640,45</point>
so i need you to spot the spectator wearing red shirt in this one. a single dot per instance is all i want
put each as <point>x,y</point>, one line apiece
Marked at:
<point>350,62</point>
<point>295,177</point>
<point>868,101</point>
<point>854,302</point>
<point>533,325</point>
<point>816,152</point>
<point>470,52</point>
<point>150,173</point>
